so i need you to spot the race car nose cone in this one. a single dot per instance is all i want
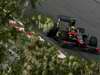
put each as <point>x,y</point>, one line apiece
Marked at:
<point>97,49</point>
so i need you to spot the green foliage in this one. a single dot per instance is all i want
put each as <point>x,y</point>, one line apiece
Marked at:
<point>35,57</point>
<point>8,8</point>
<point>34,2</point>
<point>43,22</point>
<point>42,57</point>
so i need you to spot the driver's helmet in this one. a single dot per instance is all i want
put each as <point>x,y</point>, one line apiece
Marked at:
<point>72,31</point>
<point>73,28</point>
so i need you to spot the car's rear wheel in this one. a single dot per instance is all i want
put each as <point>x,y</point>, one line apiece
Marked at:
<point>52,32</point>
<point>62,35</point>
<point>93,41</point>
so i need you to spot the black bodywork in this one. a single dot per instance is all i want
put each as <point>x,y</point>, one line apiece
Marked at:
<point>83,41</point>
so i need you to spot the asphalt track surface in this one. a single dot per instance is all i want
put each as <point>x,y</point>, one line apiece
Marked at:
<point>87,13</point>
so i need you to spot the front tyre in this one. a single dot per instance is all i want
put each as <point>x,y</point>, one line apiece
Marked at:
<point>93,41</point>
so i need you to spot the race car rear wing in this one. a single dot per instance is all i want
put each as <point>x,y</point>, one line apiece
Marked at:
<point>65,18</point>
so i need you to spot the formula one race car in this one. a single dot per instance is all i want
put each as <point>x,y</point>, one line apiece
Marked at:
<point>68,35</point>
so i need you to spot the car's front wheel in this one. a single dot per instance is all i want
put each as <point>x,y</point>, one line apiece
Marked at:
<point>93,41</point>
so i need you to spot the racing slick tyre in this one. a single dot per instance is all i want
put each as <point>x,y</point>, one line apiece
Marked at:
<point>62,35</point>
<point>93,41</point>
<point>52,32</point>
<point>85,38</point>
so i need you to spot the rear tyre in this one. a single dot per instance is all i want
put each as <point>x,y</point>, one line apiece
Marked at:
<point>52,32</point>
<point>62,35</point>
<point>85,38</point>
<point>93,41</point>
